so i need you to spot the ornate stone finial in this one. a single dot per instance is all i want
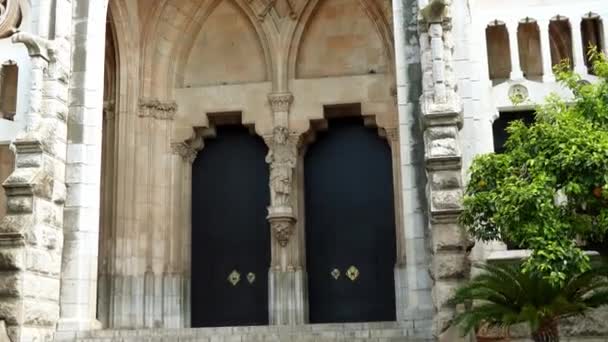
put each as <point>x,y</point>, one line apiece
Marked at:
<point>280,102</point>
<point>282,157</point>
<point>156,109</point>
<point>10,14</point>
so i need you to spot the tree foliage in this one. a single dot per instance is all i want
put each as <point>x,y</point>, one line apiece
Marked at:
<point>550,187</point>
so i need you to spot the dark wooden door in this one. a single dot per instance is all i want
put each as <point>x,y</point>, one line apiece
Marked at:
<point>350,225</point>
<point>230,234</point>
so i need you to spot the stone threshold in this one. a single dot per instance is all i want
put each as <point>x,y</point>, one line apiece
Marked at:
<point>409,331</point>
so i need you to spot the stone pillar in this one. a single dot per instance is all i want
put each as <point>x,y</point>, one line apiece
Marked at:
<point>286,278</point>
<point>516,73</point>
<point>83,169</point>
<point>578,55</point>
<point>31,236</point>
<point>184,154</point>
<point>441,120</point>
<point>545,48</point>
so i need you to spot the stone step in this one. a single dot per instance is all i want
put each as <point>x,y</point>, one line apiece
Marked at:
<point>373,332</point>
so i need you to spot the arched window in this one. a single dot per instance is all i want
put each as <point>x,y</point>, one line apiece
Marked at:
<point>9,75</point>
<point>528,41</point>
<point>560,39</point>
<point>592,36</point>
<point>498,50</point>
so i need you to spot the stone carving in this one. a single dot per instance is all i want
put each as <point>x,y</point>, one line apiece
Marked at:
<point>108,111</point>
<point>10,14</point>
<point>282,158</point>
<point>282,231</point>
<point>442,118</point>
<point>518,93</point>
<point>185,150</point>
<point>271,4</point>
<point>157,110</point>
<point>280,102</point>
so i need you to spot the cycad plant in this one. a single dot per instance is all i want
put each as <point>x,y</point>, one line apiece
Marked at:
<point>502,295</point>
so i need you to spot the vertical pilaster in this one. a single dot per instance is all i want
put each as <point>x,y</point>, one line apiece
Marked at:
<point>31,236</point>
<point>184,154</point>
<point>545,48</point>
<point>516,73</point>
<point>441,120</point>
<point>578,55</point>
<point>83,169</point>
<point>287,277</point>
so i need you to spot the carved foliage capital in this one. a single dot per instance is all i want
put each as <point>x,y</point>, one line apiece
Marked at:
<point>187,151</point>
<point>280,102</point>
<point>156,109</point>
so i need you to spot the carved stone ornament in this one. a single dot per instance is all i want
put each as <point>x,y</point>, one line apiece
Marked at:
<point>157,110</point>
<point>185,150</point>
<point>282,231</point>
<point>10,15</point>
<point>518,93</point>
<point>280,102</point>
<point>282,156</point>
<point>282,7</point>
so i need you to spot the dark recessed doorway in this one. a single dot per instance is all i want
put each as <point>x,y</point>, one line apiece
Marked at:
<point>230,233</point>
<point>350,225</point>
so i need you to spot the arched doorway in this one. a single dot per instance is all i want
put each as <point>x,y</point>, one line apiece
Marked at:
<point>230,234</point>
<point>350,225</point>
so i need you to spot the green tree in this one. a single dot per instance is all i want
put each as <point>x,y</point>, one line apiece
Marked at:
<point>550,187</point>
<point>505,296</point>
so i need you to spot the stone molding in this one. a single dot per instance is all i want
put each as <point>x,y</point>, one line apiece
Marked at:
<point>152,108</point>
<point>10,14</point>
<point>280,102</point>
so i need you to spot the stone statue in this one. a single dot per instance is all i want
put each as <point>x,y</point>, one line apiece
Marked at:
<point>281,157</point>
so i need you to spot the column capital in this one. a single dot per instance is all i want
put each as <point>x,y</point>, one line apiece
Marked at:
<point>280,102</point>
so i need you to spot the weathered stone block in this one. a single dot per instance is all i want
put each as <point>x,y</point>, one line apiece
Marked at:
<point>449,265</point>
<point>11,311</point>
<point>11,283</point>
<point>40,312</point>
<point>12,258</point>
<point>446,179</point>
<point>14,224</point>
<point>20,204</point>
<point>449,236</point>
<point>446,200</point>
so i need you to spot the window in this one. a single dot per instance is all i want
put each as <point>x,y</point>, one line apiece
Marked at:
<point>560,40</point>
<point>498,50</point>
<point>8,89</point>
<point>528,41</point>
<point>591,31</point>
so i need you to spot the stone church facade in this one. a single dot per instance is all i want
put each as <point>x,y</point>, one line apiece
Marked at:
<point>293,165</point>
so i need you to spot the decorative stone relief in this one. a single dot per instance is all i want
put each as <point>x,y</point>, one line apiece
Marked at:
<point>282,157</point>
<point>442,119</point>
<point>282,7</point>
<point>10,14</point>
<point>282,230</point>
<point>185,150</point>
<point>157,110</point>
<point>280,102</point>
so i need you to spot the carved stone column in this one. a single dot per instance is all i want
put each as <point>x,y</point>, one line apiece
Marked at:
<point>31,235</point>
<point>183,155</point>
<point>287,278</point>
<point>442,120</point>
